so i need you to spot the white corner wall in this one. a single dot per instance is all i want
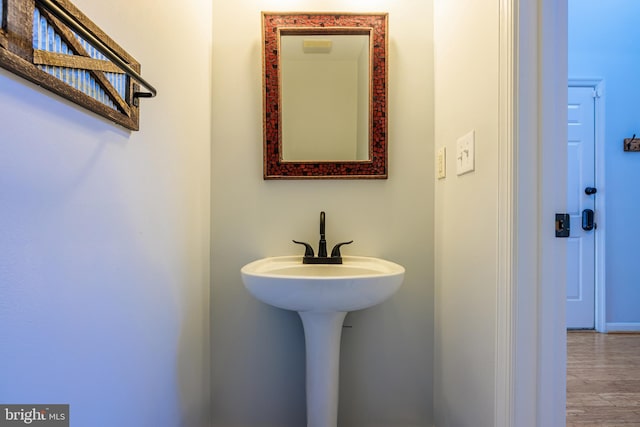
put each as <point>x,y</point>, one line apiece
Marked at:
<point>258,351</point>
<point>104,254</point>
<point>466,230</point>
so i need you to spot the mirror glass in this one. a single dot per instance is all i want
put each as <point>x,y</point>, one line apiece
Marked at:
<point>325,95</point>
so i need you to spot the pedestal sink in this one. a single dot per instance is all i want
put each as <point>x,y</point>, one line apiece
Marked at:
<point>322,295</point>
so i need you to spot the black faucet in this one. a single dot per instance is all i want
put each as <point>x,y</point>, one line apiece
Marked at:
<point>322,245</point>
<point>322,257</point>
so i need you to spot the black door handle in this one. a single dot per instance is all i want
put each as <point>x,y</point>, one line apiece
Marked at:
<point>587,220</point>
<point>590,190</point>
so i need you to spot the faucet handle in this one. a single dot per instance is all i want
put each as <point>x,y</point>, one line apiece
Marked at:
<point>335,252</point>
<point>308,250</point>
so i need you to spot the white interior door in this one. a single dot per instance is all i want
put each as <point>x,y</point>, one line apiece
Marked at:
<point>581,198</point>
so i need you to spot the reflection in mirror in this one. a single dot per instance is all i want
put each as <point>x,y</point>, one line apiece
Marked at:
<point>325,95</point>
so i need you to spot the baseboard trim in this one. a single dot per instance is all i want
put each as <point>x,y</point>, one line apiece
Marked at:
<point>623,327</point>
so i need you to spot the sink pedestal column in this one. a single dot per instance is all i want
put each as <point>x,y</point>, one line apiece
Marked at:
<point>322,331</point>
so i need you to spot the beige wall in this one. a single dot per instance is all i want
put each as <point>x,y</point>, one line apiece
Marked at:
<point>466,98</point>
<point>258,351</point>
<point>104,247</point>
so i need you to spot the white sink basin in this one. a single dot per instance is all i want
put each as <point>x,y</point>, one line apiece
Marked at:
<point>357,283</point>
<point>322,294</point>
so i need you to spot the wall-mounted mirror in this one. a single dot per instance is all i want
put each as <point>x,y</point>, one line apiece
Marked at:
<point>325,95</point>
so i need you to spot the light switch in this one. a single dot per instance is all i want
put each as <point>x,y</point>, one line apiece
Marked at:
<point>465,153</point>
<point>441,163</point>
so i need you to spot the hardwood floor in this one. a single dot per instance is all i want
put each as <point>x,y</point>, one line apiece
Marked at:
<point>603,379</point>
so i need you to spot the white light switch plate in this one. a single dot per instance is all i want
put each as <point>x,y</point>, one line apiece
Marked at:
<point>441,163</point>
<point>465,153</point>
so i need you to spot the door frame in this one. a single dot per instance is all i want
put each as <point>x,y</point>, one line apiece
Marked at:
<point>547,55</point>
<point>598,86</point>
<point>530,383</point>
